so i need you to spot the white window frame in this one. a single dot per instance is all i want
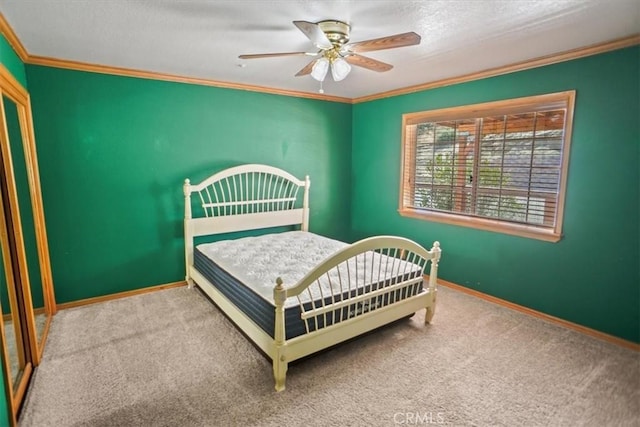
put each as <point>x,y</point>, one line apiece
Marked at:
<point>552,233</point>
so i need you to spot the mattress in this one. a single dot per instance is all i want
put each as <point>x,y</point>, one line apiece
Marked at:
<point>245,270</point>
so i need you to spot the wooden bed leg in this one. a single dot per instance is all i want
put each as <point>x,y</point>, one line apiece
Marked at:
<point>431,310</point>
<point>188,233</point>
<point>433,281</point>
<point>279,359</point>
<point>280,372</point>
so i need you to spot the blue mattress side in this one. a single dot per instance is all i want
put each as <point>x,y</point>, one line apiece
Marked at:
<point>263,314</point>
<point>249,302</point>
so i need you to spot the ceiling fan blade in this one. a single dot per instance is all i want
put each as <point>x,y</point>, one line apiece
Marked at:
<point>307,69</point>
<point>271,55</point>
<point>368,63</point>
<point>314,33</point>
<point>389,42</point>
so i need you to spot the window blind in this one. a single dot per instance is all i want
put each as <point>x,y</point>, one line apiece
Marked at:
<point>504,162</point>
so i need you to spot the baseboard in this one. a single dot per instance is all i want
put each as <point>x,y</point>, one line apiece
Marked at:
<point>8,317</point>
<point>504,303</point>
<point>552,319</point>
<point>119,295</point>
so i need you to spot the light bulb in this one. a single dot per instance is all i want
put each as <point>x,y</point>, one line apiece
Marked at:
<point>340,69</point>
<point>320,68</point>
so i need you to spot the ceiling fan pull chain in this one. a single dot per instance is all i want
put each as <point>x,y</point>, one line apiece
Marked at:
<point>321,90</point>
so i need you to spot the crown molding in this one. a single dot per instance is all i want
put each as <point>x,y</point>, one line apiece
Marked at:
<point>22,53</point>
<point>127,72</point>
<point>12,38</point>
<point>519,66</point>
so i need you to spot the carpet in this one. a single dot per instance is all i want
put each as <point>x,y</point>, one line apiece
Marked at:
<point>171,358</point>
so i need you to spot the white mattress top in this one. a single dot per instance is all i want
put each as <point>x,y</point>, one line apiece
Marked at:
<point>258,261</point>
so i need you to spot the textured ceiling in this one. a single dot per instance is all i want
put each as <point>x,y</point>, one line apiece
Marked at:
<point>202,39</point>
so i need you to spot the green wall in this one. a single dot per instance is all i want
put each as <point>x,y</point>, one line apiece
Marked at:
<point>114,152</point>
<point>592,276</point>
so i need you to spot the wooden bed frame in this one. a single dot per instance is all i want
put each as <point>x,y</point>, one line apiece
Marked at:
<point>257,196</point>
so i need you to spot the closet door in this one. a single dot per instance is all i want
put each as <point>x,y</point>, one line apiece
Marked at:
<point>17,122</point>
<point>16,355</point>
<point>27,294</point>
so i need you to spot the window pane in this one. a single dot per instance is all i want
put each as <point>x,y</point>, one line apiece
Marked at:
<point>443,165</point>
<point>519,160</point>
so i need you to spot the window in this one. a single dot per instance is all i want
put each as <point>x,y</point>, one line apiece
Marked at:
<point>498,166</point>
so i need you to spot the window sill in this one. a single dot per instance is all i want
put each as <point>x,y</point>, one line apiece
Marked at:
<point>521,230</point>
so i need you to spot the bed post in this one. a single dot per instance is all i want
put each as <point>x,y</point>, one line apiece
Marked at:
<point>433,281</point>
<point>279,360</point>
<point>305,204</point>
<point>188,238</point>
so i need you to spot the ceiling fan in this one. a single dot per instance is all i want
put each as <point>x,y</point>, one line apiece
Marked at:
<point>336,53</point>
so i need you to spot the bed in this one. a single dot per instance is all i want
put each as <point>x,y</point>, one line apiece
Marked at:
<point>290,291</point>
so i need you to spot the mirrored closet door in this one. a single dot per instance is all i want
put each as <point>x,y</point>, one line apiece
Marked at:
<point>17,364</point>
<point>26,290</point>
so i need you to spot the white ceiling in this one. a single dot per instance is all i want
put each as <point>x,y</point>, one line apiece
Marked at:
<point>202,39</point>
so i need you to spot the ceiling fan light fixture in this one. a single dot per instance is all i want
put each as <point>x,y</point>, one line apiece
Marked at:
<point>340,69</point>
<point>320,69</point>
<point>332,39</point>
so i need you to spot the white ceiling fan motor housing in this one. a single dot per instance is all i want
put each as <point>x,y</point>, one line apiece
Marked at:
<point>336,31</point>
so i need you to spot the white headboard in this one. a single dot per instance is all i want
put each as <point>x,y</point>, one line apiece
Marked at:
<point>245,197</point>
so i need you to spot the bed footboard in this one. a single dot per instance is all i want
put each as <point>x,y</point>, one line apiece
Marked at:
<point>366,285</point>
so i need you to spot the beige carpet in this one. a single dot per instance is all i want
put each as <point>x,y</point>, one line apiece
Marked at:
<point>170,358</point>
